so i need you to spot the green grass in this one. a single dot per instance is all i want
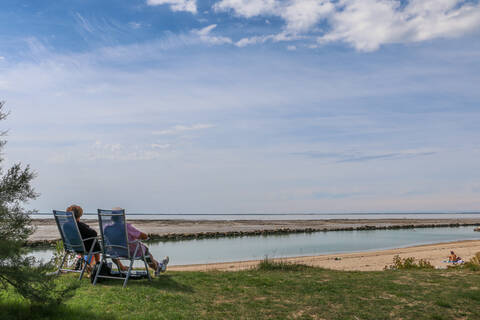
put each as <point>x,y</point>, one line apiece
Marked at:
<point>274,291</point>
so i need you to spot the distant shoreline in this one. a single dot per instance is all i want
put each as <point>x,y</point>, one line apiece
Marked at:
<point>46,232</point>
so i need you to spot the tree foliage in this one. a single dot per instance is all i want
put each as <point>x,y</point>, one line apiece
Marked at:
<point>26,275</point>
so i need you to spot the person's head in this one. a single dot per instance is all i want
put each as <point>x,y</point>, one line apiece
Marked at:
<point>451,252</point>
<point>77,211</point>
<point>116,218</point>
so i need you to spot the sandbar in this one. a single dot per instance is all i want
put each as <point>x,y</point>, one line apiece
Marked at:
<point>46,229</point>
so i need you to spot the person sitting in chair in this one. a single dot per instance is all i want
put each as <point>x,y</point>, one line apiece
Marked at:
<point>85,232</point>
<point>117,230</point>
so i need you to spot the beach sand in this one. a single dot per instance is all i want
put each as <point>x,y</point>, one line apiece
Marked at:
<point>358,261</point>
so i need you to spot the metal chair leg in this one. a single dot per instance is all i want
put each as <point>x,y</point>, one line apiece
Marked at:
<point>146,266</point>
<point>61,264</point>
<point>88,259</point>
<point>98,271</point>
<point>128,273</point>
<point>131,265</point>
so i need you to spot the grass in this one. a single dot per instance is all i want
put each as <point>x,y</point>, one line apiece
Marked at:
<point>273,291</point>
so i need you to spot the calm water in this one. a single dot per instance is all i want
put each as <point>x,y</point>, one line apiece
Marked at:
<point>257,247</point>
<point>311,216</point>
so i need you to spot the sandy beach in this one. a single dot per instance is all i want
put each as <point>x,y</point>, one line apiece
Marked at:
<point>358,261</point>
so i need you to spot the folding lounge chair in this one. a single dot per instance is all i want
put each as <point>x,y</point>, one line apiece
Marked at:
<point>115,244</point>
<point>72,240</point>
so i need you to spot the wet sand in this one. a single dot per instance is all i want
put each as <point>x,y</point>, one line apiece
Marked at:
<point>358,261</point>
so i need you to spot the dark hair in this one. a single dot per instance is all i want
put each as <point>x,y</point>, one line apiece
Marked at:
<point>77,210</point>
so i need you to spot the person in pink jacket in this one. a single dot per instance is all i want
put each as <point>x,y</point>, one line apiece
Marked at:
<point>135,234</point>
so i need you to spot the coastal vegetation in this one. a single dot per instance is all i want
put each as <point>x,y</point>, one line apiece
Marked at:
<point>408,263</point>
<point>271,291</point>
<point>17,271</point>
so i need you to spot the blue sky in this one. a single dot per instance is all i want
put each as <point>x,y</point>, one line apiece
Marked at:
<point>240,106</point>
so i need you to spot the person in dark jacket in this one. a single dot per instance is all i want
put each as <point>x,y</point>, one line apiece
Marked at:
<point>85,232</point>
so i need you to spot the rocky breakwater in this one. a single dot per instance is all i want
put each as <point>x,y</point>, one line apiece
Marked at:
<point>282,231</point>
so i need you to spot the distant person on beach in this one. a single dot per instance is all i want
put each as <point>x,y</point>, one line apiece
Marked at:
<point>453,257</point>
<point>85,232</point>
<point>115,230</point>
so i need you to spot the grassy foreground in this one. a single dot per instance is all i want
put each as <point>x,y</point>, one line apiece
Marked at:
<point>274,292</point>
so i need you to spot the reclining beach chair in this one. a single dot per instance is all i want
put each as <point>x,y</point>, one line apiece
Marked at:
<point>72,240</point>
<point>115,244</point>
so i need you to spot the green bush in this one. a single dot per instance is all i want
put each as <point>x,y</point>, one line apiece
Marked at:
<point>474,263</point>
<point>408,263</point>
<point>270,265</point>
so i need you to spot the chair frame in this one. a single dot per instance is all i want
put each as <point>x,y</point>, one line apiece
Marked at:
<point>71,249</point>
<point>129,257</point>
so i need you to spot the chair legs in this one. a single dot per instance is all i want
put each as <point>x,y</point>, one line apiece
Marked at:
<point>98,270</point>
<point>129,271</point>
<point>88,259</point>
<point>131,265</point>
<point>61,264</point>
<point>146,266</point>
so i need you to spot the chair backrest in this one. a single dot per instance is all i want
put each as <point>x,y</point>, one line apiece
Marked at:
<point>113,228</point>
<point>68,228</point>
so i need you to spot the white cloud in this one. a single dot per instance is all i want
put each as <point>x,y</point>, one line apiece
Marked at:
<point>302,15</point>
<point>119,152</point>
<point>180,128</point>
<point>282,36</point>
<point>176,5</point>
<point>367,24</point>
<point>204,35</point>
<point>99,146</point>
<point>248,8</point>
<point>160,146</point>
<point>299,15</point>
<point>291,48</point>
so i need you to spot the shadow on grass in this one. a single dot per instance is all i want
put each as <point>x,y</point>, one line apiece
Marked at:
<point>271,265</point>
<point>164,282</point>
<point>25,311</point>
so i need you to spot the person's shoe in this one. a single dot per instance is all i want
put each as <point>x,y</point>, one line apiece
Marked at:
<point>162,266</point>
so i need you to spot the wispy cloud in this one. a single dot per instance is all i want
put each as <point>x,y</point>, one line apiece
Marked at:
<point>332,195</point>
<point>181,128</point>
<point>160,146</point>
<point>205,35</point>
<point>340,157</point>
<point>111,152</point>
<point>84,23</point>
<point>135,25</point>
<point>176,5</point>
<point>279,37</point>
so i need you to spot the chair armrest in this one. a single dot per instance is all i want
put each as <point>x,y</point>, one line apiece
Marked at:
<point>90,238</point>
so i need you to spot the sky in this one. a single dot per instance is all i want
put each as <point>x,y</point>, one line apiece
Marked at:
<point>244,106</point>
